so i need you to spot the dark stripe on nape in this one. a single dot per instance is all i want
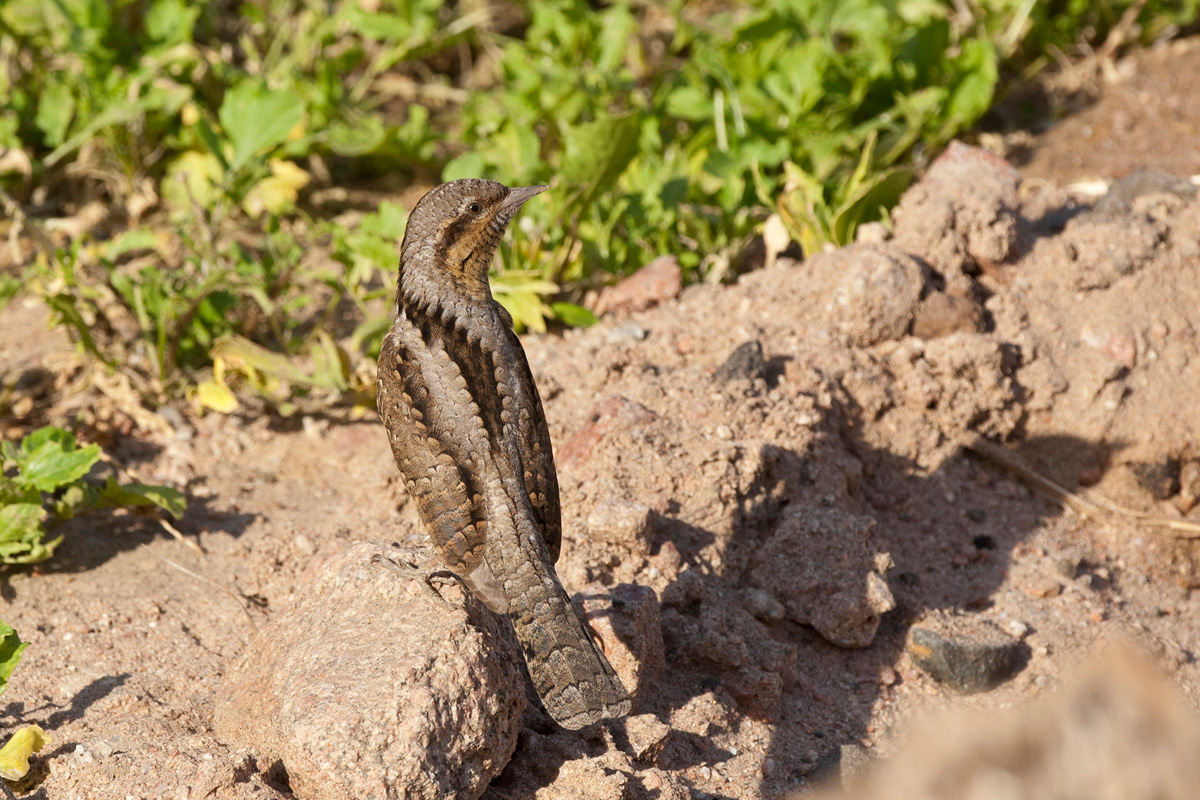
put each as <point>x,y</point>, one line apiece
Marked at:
<point>451,234</point>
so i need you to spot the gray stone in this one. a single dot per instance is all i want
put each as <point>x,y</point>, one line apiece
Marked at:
<point>967,655</point>
<point>745,363</point>
<point>369,686</point>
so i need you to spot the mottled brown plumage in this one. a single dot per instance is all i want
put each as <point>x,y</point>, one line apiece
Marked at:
<point>469,435</point>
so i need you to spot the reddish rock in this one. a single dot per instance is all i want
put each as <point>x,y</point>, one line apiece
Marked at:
<point>655,283</point>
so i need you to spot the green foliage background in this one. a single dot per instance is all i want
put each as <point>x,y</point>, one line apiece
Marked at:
<point>664,127</point>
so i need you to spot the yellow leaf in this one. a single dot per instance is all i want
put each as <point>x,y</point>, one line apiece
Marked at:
<point>277,193</point>
<point>193,175</point>
<point>217,396</point>
<point>14,756</point>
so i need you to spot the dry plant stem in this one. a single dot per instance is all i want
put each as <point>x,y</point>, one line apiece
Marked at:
<point>1122,32</point>
<point>214,584</point>
<point>1101,510</point>
<point>171,529</point>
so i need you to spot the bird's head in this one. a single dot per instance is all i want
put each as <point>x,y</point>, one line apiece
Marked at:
<point>453,233</point>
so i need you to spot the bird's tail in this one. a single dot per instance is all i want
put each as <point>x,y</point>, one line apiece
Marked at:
<point>575,681</point>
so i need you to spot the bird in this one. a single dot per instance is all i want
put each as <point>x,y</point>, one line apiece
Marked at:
<point>468,432</point>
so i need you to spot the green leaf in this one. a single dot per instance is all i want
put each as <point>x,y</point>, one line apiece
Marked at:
<point>573,315</point>
<point>526,309</point>
<point>11,648</point>
<point>596,153</point>
<point>468,165</point>
<point>257,119</point>
<point>972,95</point>
<point>137,239</point>
<point>51,465</point>
<point>870,203</point>
<point>55,110</point>
<point>21,534</point>
<point>19,522</point>
<point>357,135</point>
<point>171,21</point>
<point>114,495</point>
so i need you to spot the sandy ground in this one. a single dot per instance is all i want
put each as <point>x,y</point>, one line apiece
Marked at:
<point>1077,351</point>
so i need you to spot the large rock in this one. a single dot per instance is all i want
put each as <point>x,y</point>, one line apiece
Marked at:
<point>369,687</point>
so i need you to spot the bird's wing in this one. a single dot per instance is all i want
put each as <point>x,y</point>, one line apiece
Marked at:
<point>537,457</point>
<point>422,441</point>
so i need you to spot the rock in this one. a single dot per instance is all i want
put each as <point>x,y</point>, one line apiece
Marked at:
<point>942,314</point>
<point>819,564</point>
<point>369,687</point>
<point>1068,566</point>
<point>840,767</point>
<point>966,654</point>
<point>962,216</point>
<point>622,523</point>
<point>1189,486</point>
<point>625,335</point>
<point>763,605</point>
<point>628,624</point>
<point>745,363</point>
<point>610,414</point>
<point>876,298</point>
<point>756,690</point>
<point>655,283</point>
<point>647,736</point>
<point>1119,346</point>
<point>1146,181</point>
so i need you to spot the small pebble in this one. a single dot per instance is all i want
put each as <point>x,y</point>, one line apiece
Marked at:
<point>1015,628</point>
<point>1068,567</point>
<point>1045,588</point>
<point>625,335</point>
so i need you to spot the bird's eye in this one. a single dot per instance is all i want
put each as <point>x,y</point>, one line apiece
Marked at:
<point>475,208</point>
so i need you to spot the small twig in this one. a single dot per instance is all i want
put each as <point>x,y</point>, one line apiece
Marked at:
<point>1120,33</point>
<point>171,529</point>
<point>1100,509</point>
<point>211,583</point>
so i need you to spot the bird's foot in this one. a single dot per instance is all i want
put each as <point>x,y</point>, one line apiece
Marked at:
<point>425,574</point>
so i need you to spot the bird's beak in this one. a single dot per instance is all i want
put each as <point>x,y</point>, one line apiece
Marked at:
<point>517,196</point>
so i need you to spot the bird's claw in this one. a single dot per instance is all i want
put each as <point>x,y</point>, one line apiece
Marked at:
<point>425,575</point>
